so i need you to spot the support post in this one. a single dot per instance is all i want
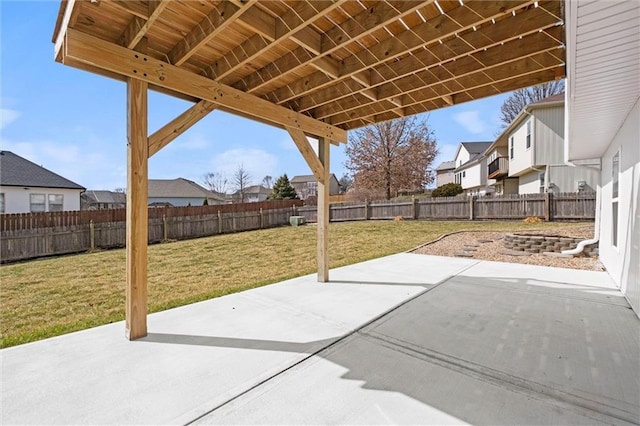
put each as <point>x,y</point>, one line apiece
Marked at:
<point>137,210</point>
<point>471,205</point>
<point>323,211</point>
<point>165,230</point>
<point>547,206</point>
<point>219,222</point>
<point>261,219</point>
<point>92,235</point>
<point>414,207</point>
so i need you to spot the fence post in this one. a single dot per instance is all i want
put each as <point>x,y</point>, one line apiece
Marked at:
<point>414,207</point>
<point>294,209</point>
<point>165,231</point>
<point>471,204</point>
<point>366,209</point>
<point>219,222</point>
<point>261,219</point>
<point>92,235</point>
<point>547,206</point>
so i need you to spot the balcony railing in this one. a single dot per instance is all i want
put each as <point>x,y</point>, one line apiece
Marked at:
<point>498,167</point>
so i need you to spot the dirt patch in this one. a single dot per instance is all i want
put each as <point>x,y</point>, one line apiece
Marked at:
<point>489,245</point>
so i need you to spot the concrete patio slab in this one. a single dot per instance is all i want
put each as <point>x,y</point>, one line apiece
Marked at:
<point>402,339</point>
<point>198,357</point>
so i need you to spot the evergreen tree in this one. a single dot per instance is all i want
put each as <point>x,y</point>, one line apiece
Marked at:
<point>282,190</point>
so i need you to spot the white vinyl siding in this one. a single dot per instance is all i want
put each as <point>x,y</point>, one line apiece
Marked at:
<point>521,158</point>
<point>2,202</point>
<point>17,199</point>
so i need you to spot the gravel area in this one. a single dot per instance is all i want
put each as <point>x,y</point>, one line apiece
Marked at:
<point>485,245</point>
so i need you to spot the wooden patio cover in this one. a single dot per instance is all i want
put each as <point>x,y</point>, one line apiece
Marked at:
<point>314,68</point>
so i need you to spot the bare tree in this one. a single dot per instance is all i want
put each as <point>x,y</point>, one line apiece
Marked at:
<point>392,156</point>
<point>241,180</point>
<point>215,182</point>
<point>267,181</point>
<point>519,99</point>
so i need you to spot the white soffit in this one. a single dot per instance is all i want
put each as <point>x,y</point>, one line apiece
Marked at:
<point>603,69</point>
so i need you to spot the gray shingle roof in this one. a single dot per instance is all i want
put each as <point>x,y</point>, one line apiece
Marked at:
<point>18,171</point>
<point>446,165</point>
<point>476,147</point>
<point>106,197</point>
<point>309,178</point>
<point>550,99</point>
<point>179,188</point>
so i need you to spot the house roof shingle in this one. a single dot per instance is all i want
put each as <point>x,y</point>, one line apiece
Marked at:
<point>179,188</point>
<point>18,171</point>
<point>446,165</point>
<point>550,99</point>
<point>106,197</point>
<point>309,178</point>
<point>475,148</point>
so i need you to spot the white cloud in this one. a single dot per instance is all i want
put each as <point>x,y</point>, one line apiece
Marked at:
<point>471,121</point>
<point>447,153</point>
<point>256,162</point>
<point>8,116</point>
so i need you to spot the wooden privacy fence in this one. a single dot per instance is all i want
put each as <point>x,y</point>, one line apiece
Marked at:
<point>562,206</point>
<point>70,232</point>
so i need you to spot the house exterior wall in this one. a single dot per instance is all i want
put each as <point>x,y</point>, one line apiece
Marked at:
<point>443,177</point>
<point>181,202</point>
<point>462,156</point>
<point>17,199</point>
<point>522,156</point>
<point>566,178</point>
<point>621,261</point>
<point>529,183</point>
<point>548,128</point>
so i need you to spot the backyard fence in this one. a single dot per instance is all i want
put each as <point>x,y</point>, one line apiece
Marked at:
<point>33,235</point>
<point>549,207</point>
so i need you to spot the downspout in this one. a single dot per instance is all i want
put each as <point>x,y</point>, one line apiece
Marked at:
<point>596,232</point>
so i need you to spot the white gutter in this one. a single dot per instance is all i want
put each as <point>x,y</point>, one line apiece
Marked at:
<point>596,232</point>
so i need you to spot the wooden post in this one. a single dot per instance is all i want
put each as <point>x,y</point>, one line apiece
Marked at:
<point>165,231</point>
<point>414,207</point>
<point>323,212</point>
<point>366,209</point>
<point>137,210</point>
<point>261,219</point>
<point>92,235</point>
<point>547,206</point>
<point>471,203</point>
<point>219,222</point>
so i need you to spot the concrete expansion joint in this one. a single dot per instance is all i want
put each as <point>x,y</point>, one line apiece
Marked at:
<point>605,413</point>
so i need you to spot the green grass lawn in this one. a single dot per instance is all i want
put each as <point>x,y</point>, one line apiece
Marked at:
<point>45,298</point>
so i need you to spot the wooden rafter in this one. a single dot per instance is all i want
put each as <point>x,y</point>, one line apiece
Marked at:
<point>488,37</point>
<point>480,61</point>
<point>458,20</point>
<point>353,29</point>
<point>307,152</point>
<point>138,27</point>
<point>82,48</point>
<point>287,26</point>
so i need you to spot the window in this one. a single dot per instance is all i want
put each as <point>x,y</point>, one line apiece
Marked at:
<point>1,202</point>
<point>37,203</point>
<point>528,134</point>
<point>55,202</point>
<point>615,172</point>
<point>464,173</point>
<point>511,148</point>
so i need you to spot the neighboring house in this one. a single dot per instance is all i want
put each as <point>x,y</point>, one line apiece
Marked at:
<point>102,200</point>
<point>532,145</point>
<point>252,194</point>
<point>603,118</point>
<point>471,168</point>
<point>307,186</point>
<point>445,172</point>
<point>180,192</point>
<point>26,187</point>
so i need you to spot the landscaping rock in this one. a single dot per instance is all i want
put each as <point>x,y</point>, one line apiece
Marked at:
<point>463,254</point>
<point>514,253</point>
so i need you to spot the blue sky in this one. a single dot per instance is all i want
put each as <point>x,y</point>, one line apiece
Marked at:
<point>73,122</point>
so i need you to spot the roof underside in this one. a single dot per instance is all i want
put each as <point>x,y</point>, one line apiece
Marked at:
<point>345,64</point>
<point>604,81</point>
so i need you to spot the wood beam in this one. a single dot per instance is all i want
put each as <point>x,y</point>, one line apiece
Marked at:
<point>364,23</point>
<point>521,67</point>
<point>455,21</point>
<point>138,27</point>
<point>525,23</point>
<point>258,21</point>
<point>83,48</point>
<point>307,153</point>
<point>324,186</point>
<point>70,15</point>
<point>513,50</point>
<point>137,210</point>
<point>162,137</point>
<point>289,24</point>
<point>208,28</point>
